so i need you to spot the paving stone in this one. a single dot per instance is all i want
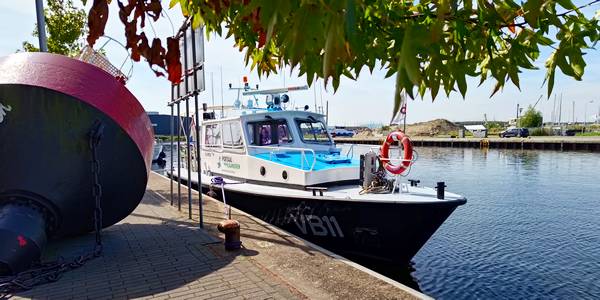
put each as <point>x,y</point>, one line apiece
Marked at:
<point>157,253</point>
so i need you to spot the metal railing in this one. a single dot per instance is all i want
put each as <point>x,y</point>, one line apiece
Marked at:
<point>350,152</point>
<point>302,151</point>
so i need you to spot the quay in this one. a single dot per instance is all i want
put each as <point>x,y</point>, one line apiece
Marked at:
<point>158,253</point>
<point>567,143</point>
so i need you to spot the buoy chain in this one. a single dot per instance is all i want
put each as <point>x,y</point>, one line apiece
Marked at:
<point>52,271</point>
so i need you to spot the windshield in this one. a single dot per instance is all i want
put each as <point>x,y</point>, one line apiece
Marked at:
<point>313,131</point>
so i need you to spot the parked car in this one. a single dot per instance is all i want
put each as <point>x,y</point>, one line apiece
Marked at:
<point>342,132</point>
<point>515,132</point>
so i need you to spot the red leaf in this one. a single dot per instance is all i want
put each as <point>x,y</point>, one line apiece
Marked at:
<point>140,8</point>
<point>173,60</point>
<point>97,18</point>
<point>158,73</point>
<point>157,54</point>
<point>124,12</point>
<point>511,27</point>
<point>143,46</point>
<point>262,38</point>
<point>154,8</point>
<point>132,39</point>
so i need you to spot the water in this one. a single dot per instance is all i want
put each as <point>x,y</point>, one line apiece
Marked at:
<point>530,228</point>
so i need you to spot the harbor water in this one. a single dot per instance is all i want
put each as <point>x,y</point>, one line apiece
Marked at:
<point>530,228</point>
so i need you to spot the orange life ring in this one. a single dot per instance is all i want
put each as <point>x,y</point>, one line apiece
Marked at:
<point>396,136</point>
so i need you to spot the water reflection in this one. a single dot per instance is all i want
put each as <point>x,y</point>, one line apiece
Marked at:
<point>528,230</point>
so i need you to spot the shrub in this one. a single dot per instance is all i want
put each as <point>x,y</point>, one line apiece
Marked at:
<point>540,132</point>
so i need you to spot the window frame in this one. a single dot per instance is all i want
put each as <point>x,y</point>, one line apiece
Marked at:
<point>274,124</point>
<point>232,147</point>
<point>299,121</point>
<point>205,145</point>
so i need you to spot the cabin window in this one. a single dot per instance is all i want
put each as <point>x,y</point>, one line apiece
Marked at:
<point>271,132</point>
<point>313,131</point>
<point>232,135</point>
<point>212,135</point>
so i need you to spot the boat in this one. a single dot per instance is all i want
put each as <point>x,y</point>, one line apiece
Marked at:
<point>281,165</point>
<point>157,149</point>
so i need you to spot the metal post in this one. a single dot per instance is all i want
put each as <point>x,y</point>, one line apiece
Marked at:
<point>187,118</point>
<point>222,106</point>
<point>179,125</point>
<point>573,119</point>
<point>197,114</point>
<point>315,94</point>
<point>327,113</point>
<point>405,103</point>
<point>41,25</point>
<point>171,149</point>
<point>517,119</point>
<point>212,88</point>
<point>560,113</point>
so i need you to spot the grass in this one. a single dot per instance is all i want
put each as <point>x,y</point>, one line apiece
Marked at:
<point>596,133</point>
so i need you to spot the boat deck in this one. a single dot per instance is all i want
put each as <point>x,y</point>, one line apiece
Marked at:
<point>342,193</point>
<point>158,253</point>
<point>298,161</point>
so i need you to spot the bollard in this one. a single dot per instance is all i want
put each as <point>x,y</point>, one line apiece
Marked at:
<point>440,189</point>
<point>231,229</point>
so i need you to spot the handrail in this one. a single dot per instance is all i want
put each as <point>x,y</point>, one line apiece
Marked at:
<point>301,150</point>
<point>351,150</point>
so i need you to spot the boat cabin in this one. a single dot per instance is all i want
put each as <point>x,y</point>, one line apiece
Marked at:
<point>279,147</point>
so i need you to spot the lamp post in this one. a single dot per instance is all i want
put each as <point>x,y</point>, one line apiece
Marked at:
<point>41,24</point>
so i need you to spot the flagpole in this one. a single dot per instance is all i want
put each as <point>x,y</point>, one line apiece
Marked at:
<point>405,102</point>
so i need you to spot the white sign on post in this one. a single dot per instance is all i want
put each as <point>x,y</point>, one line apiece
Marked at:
<point>190,41</point>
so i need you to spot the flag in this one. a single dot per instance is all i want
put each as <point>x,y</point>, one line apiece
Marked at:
<point>400,115</point>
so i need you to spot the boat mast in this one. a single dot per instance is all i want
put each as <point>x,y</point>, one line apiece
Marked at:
<point>315,94</point>
<point>222,105</point>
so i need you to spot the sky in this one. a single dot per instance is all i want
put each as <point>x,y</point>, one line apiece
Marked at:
<point>368,100</point>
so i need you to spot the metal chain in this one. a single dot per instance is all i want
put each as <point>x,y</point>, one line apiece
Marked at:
<point>52,271</point>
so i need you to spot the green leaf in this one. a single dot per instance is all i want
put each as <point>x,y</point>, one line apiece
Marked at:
<point>171,4</point>
<point>462,84</point>
<point>513,74</point>
<point>196,20</point>
<point>350,22</point>
<point>577,63</point>
<point>532,9</point>
<point>398,99</point>
<point>566,4</point>
<point>408,59</point>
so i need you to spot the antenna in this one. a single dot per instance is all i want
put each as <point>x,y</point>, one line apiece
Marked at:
<point>222,105</point>
<point>315,94</point>
<point>321,93</point>
<point>275,91</point>
<point>212,87</point>
<point>560,110</point>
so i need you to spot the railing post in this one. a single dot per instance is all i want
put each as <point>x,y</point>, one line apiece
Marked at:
<point>172,131</point>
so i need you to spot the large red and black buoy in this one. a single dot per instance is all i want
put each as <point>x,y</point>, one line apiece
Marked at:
<point>49,104</point>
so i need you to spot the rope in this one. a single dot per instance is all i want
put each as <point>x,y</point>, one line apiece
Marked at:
<point>219,181</point>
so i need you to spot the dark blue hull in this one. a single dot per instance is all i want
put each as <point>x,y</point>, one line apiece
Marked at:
<point>389,232</point>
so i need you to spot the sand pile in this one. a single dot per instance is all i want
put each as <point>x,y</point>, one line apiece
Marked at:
<point>429,128</point>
